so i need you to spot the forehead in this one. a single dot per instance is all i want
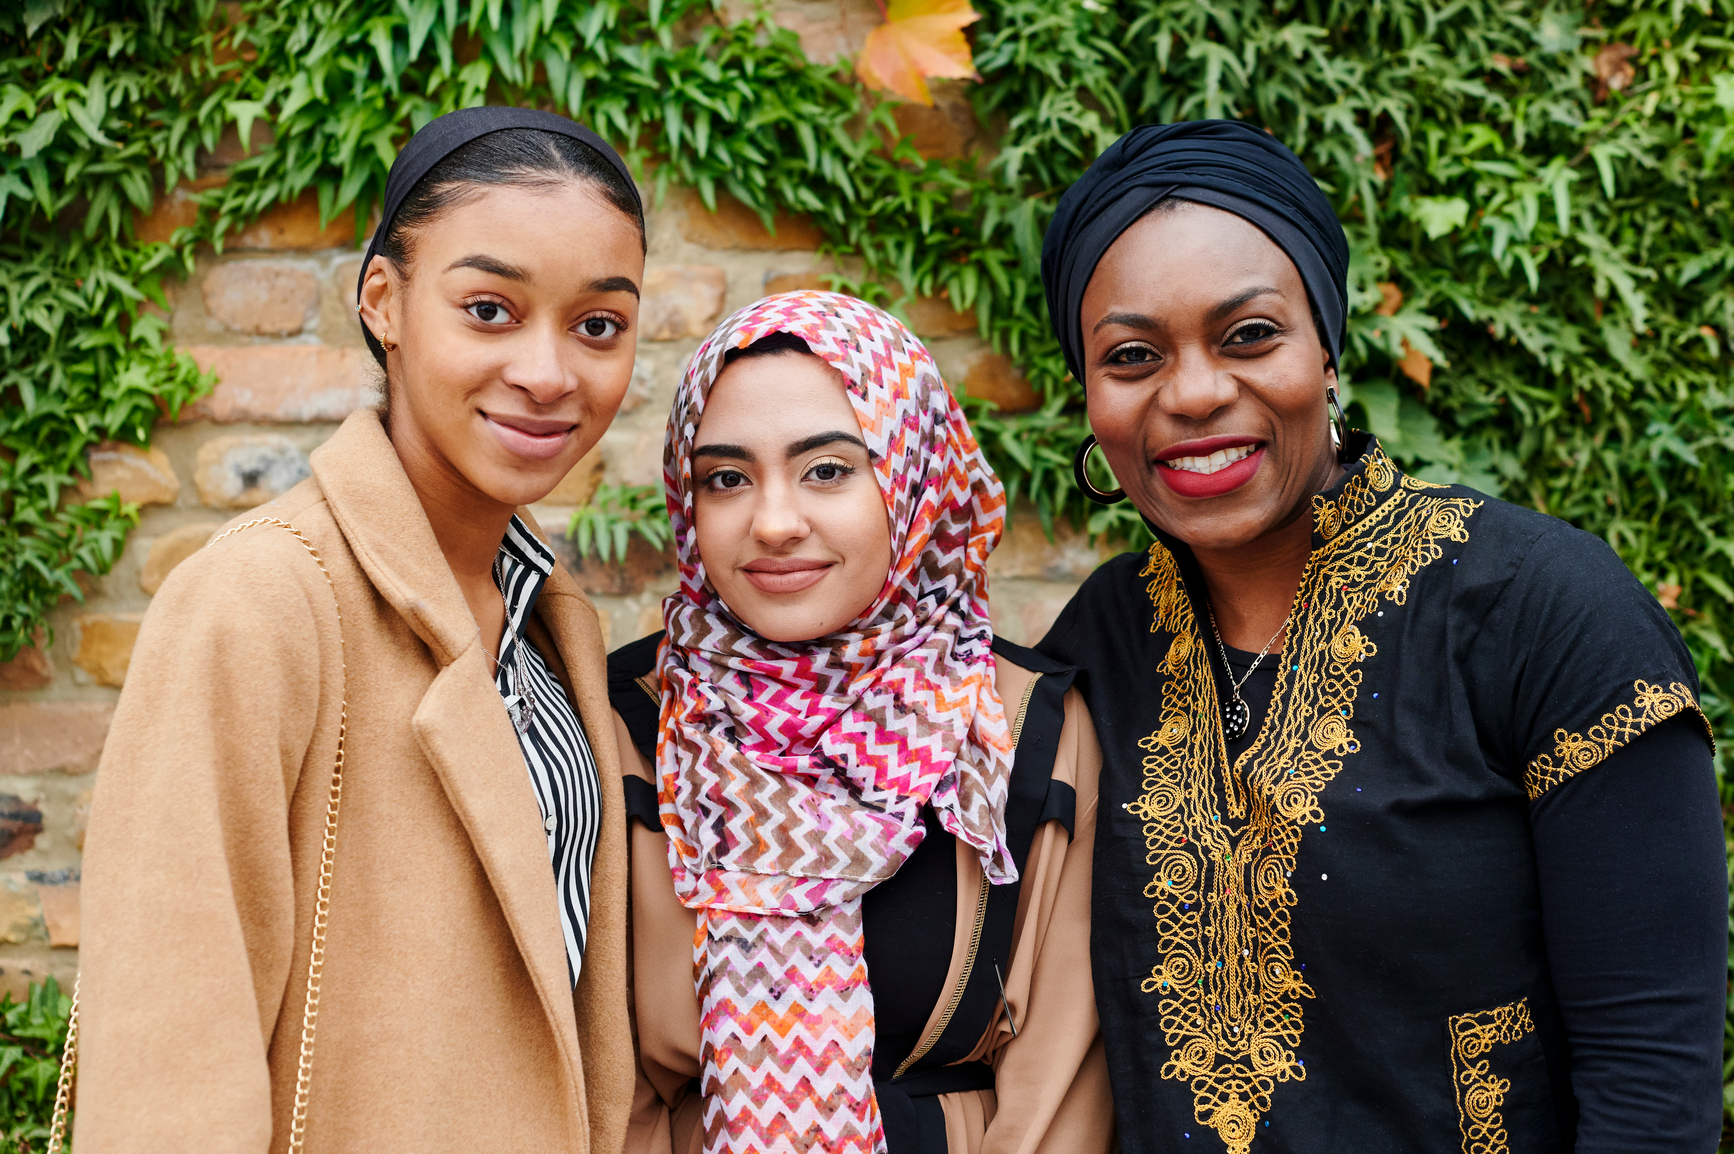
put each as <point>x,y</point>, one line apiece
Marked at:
<point>556,232</point>
<point>1190,254</point>
<point>776,399</point>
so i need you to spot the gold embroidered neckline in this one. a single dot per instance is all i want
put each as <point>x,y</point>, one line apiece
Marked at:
<point>1223,840</point>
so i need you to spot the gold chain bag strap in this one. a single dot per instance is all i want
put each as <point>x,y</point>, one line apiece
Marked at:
<point>321,906</point>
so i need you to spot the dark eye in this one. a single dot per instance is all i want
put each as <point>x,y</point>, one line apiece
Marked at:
<point>598,328</point>
<point>1252,333</point>
<point>725,479</point>
<point>827,472</point>
<point>1132,355</point>
<point>489,312</point>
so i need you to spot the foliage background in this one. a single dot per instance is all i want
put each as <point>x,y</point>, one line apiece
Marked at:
<point>1560,235</point>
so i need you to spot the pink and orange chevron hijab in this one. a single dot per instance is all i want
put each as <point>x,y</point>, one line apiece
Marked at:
<point>792,776</point>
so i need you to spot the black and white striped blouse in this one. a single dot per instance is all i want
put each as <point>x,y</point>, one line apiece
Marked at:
<point>562,768</point>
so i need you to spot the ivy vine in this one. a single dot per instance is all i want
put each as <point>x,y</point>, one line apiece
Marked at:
<point>1538,198</point>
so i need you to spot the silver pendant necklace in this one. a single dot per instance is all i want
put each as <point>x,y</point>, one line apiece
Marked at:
<point>521,704</point>
<point>1236,713</point>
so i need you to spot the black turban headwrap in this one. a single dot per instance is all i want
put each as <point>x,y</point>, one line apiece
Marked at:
<point>440,138</point>
<point>1222,163</point>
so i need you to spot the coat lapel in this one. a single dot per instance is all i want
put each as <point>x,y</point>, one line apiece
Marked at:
<point>460,725</point>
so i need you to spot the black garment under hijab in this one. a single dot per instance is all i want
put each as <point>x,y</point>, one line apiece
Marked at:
<point>440,138</point>
<point>1222,163</point>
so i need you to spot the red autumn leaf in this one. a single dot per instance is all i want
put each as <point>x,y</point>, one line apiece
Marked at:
<point>919,39</point>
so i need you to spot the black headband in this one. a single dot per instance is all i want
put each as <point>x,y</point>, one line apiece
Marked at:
<point>440,138</point>
<point>1223,163</point>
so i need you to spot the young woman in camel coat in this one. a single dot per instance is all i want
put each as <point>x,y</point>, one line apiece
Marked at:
<point>473,985</point>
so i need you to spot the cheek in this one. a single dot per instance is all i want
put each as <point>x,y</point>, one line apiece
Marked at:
<point>869,540</point>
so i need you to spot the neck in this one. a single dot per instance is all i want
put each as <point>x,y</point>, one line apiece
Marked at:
<point>468,524</point>
<point>1252,587</point>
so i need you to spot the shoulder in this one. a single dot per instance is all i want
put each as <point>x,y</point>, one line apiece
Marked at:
<point>1109,598</point>
<point>254,562</point>
<point>631,674</point>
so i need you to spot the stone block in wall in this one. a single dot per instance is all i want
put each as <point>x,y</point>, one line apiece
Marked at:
<point>735,226</point>
<point>936,317</point>
<point>20,969</point>
<point>105,642</point>
<point>52,736</point>
<point>21,920</point>
<point>283,384</point>
<point>295,225</point>
<point>31,669</point>
<point>20,823</point>
<point>170,550</point>
<point>142,476</point>
<point>1024,611</point>
<point>994,377</point>
<point>579,485</point>
<point>649,620</point>
<point>1026,551</point>
<point>59,901</point>
<point>640,389</point>
<point>238,472</point>
<point>346,276</point>
<point>260,297</point>
<point>681,301</point>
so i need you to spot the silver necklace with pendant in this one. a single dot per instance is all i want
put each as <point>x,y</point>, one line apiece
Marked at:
<point>521,705</point>
<point>1236,713</point>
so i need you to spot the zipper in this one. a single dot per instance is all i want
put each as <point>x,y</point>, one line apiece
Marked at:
<point>938,1030</point>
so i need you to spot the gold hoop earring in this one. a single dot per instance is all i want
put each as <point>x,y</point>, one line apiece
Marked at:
<point>387,344</point>
<point>1082,476</point>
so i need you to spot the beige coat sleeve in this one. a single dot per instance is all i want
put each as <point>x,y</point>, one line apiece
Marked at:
<point>1051,1080</point>
<point>666,1109</point>
<point>183,984</point>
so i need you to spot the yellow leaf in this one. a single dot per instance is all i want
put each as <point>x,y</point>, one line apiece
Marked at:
<point>919,39</point>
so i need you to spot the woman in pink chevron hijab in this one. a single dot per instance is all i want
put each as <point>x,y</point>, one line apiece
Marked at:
<point>862,868</point>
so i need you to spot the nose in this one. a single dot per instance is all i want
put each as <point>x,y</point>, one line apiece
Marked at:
<point>540,365</point>
<point>777,520</point>
<point>1197,387</point>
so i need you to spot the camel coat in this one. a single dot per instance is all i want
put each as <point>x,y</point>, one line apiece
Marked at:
<point>447,1019</point>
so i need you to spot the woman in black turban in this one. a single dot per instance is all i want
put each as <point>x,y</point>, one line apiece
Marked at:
<point>1409,837</point>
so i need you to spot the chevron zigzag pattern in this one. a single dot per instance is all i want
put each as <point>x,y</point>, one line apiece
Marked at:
<point>792,777</point>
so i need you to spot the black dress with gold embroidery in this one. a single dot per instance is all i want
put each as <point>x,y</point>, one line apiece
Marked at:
<point>1398,919</point>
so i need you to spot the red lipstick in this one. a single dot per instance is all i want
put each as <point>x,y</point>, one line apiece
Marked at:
<point>1187,482</point>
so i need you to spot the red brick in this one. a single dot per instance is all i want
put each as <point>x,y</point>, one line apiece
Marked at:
<point>295,225</point>
<point>173,209</point>
<point>283,383</point>
<point>994,377</point>
<point>947,130</point>
<point>47,737</point>
<point>60,912</point>
<point>31,669</point>
<point>735,226</point>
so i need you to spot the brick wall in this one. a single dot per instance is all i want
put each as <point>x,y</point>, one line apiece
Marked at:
<point>273,316</point>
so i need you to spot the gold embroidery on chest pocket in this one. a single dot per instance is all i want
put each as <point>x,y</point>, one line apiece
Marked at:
<point>1480,1093</point>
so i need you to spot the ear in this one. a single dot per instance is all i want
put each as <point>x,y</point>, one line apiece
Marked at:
<point>379,298</point>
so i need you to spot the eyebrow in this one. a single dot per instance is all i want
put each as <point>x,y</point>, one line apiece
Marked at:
<point>493,265</point>
<point>819,440</point>
<point>488,264</point>
<point>795,449</point>
<point>1239,299</point>
<point>612,284</point>
<point>1140,321</point>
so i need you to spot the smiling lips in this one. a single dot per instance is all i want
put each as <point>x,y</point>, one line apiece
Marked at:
<point>1210,467</point>
<point>785,574</point>
<point>532,437</point>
